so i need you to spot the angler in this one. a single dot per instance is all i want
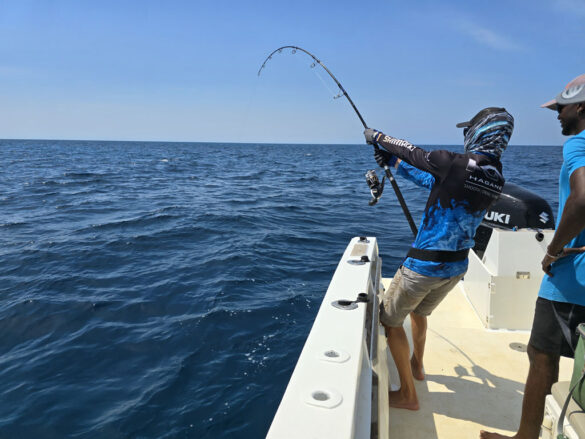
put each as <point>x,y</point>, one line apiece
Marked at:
<point>438,260</point>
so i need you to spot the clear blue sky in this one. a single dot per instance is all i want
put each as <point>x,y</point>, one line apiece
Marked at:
<point>186,70</point>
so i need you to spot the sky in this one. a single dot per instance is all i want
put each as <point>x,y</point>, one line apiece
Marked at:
<point>188,70</point>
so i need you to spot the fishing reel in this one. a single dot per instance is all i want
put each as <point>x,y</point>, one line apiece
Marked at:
<point>376,188</point>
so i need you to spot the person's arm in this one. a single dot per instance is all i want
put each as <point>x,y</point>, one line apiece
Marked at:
<point>573,250</point>
<point>572,221</point>
<point>436,163</point>
<point>418,177</point>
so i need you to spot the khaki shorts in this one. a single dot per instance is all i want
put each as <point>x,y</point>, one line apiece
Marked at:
<point>413,292</point>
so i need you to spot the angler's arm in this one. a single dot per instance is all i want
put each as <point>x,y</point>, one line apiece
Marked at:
<point>417,176</point>
<point>436,163</point>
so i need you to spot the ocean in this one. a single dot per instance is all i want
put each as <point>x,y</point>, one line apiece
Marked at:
<point>165,290</point>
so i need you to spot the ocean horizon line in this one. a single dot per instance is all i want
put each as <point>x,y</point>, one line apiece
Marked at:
<point>239,143</point>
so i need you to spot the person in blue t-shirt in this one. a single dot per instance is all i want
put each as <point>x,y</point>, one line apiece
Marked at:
<point>462,187</point>
<point>560,306</point>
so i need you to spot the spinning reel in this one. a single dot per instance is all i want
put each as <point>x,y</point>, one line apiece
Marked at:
<point>376,188</point>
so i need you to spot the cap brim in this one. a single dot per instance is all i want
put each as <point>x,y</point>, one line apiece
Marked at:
<point>463,124</point>
<point>550,104</point>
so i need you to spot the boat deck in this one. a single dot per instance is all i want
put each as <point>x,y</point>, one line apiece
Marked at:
<point>474,377</point>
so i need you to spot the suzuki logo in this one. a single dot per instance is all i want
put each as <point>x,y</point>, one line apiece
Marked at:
<point>543,217</point>
<point>497,217</point>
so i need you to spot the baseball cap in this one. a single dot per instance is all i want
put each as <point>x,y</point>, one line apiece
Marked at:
<point>480,115</point>
<point>573,93</point>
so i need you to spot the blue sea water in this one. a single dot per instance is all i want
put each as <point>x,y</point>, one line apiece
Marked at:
<point>165,290</point>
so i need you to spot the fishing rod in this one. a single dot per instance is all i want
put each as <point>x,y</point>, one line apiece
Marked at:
<point>375,187</point>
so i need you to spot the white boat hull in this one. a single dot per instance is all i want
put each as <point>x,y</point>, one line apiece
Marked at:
<point>474,375</point>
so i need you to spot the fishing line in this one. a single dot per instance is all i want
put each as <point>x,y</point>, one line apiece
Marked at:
<point>331,92</point>
<point>389,175</point>
<point>293,51</point>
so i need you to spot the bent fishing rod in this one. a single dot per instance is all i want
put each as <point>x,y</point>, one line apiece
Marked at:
<point>371,177</point>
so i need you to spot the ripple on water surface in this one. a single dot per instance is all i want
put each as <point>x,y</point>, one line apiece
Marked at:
<point>163,290</point>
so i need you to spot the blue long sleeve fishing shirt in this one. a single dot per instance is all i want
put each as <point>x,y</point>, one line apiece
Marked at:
<point>462,186</point>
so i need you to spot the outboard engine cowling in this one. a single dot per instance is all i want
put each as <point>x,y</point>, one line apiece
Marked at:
<point>517,208</point>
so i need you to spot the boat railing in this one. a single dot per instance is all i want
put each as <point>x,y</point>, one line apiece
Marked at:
<point>330,393</point>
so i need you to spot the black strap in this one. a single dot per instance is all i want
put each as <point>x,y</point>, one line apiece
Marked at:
<point>564,326</point>
<point>438,255</point>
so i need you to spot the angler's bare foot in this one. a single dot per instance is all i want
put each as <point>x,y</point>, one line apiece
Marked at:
<point>417,369</point>
<point>487,435</point>
<point>399,401</point>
